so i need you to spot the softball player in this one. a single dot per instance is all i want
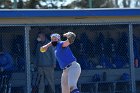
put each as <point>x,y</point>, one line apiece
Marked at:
<point>67,61</point>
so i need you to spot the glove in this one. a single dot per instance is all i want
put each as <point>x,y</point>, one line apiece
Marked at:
<point>71,37</point>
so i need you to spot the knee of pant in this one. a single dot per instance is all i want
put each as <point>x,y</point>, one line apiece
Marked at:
<point>75,91</point>
<point>73,87</point>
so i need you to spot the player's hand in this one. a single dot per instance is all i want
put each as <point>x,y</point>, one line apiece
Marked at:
<point>43,49</point>
<point>65,35</point>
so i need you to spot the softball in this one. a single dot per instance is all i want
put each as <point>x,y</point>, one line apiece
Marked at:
<point>42,50</point>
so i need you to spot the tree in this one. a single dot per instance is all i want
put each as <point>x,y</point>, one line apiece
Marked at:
<point>126,3</point>
<point>20,4</point>
<point>80,4</point>
<point>137,4</point>
<point>33,4</point>
<point>116,3</point>
<point>103,4</point>
<point>7,4</point>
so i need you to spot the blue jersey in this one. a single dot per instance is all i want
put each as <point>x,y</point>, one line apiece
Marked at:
<point>64,55</point>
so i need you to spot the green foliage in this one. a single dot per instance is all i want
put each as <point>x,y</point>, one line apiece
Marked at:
<point>64,4</point>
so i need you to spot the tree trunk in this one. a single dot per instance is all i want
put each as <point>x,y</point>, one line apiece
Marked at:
<point>116,4</point>
<point>126,3</point>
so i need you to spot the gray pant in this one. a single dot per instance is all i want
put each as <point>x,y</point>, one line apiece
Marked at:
<point>46,73</point>
<point>70,77</point>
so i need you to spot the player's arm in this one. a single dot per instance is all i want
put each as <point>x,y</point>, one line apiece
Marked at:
<point>45,47</point>
<point>70,39</point>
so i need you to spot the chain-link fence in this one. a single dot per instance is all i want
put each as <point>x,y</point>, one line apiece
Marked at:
<point>12,59</point>
<point>104,51</point>
<point>136,46</point>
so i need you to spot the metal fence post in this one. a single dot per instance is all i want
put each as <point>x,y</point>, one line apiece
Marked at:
<point>15,4</point>
<point>131,56</point>
<point>27,55</point>
<point>90,3</point>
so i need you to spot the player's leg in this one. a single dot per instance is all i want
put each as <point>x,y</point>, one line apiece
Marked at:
<point>73,76</point>
<point>41,80</point>
<point>64,82</point>
<point>49,74</point>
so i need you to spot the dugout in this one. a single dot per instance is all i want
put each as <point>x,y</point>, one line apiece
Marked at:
<point>105,32</point>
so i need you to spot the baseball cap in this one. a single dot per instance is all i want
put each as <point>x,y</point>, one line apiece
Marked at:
<point>55,35</point>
